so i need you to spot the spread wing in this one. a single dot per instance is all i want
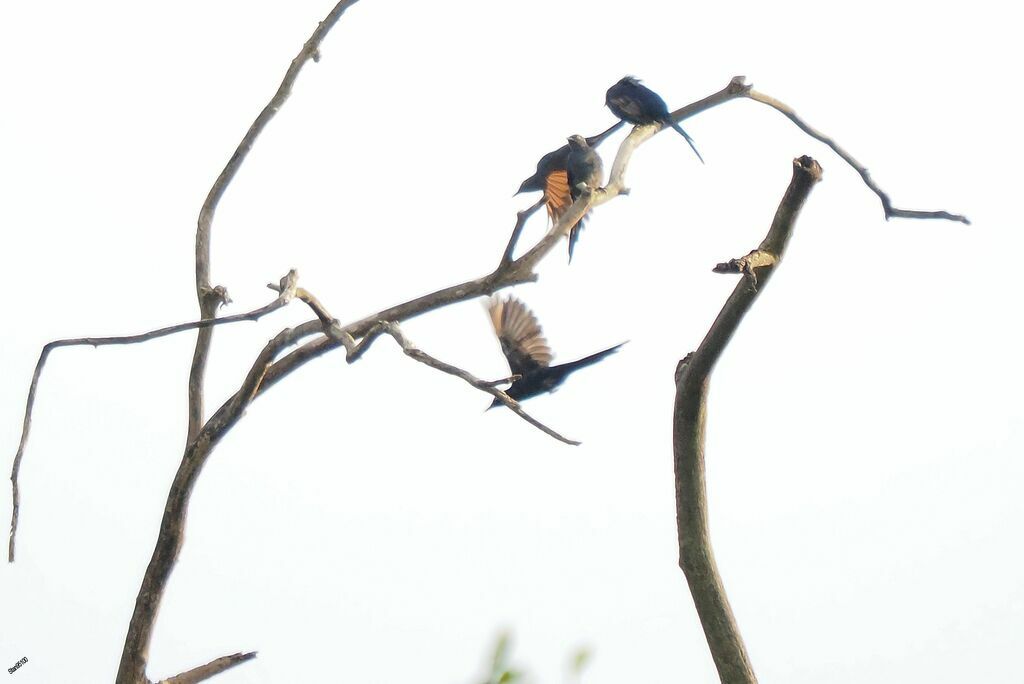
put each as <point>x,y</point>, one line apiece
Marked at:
<point>557,196</point>
<point>522,340</point>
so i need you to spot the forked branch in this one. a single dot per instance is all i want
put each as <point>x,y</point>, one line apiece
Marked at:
<point>132,668</point>
<point>355,349</point>
<point>285,295</point>
<point>211,297</point>
<point>521,270</point>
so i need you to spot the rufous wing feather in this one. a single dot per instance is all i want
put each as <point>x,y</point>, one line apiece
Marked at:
<point>521,337</point>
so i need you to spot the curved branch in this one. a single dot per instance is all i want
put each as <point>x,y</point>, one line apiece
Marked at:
<point>890,211</point>
<point>696,557</point>
<point>738,88</point>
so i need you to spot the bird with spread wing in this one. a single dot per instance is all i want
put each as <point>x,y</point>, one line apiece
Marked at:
<point>551,176</point>
<point>528,353</point>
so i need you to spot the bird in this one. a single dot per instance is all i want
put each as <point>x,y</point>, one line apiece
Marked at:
<point>634,102</point>
<point>528,354</point>
<point>551,176</point>
<point>583,168</point>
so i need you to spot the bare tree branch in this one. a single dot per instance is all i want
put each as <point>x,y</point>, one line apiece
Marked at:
<point>393,329</point>
<point>132,669</point>
<point>738,88</point>
<point>133,660</point>
<point>521,217</point>
<point>307,298</point>
<point>285,296</point>
<point>204,672</point>
<point>507,274</point>
<point>696,557</point>
<point>520,270</point>
<point>211,297</point>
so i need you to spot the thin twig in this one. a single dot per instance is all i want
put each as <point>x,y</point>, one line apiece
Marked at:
<point>488,386</point>
<point>282,300</point>
<point>696,557</point>
<point>210,669</point>
<point>521,217</point>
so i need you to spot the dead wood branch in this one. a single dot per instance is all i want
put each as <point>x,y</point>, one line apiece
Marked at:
<point>890,211</point>
<point>210,669</point>
<point>132,669</point>
<point>285,295</point>
<point>211,297</point>
<point>521,218</point>
<point>738,88</point>
<point>696,557</point>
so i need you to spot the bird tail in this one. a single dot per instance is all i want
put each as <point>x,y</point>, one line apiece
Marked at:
<point>595,140</point>
<point>680,131</point>
<point>574,235</point>
<point>592,359</point>
<point>528,185</point>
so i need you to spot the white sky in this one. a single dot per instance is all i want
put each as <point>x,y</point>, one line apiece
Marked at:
<point>370,523</point>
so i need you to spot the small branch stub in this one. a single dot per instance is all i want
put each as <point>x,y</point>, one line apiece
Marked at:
<point>209,670</point>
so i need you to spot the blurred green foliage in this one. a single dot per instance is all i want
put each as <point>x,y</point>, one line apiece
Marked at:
<point>502,671</point>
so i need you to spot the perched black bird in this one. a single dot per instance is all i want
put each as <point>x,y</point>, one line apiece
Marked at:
<point>583,167</point>
<point>528,354</point>
<point>551,176</point>
<point>634,102</point>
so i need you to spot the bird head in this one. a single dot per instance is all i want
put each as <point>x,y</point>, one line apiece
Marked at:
<point>577,141</point>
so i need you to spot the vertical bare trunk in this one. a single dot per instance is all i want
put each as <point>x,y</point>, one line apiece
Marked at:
<point>696,557</point>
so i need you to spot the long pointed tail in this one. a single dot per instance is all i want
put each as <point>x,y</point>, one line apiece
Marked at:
<point>595,140</point>
<point>680,131</point>
<point>588,360</point>
<point>574,235</point>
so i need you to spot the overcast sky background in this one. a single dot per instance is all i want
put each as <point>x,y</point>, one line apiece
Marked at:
<point>371,523</point>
